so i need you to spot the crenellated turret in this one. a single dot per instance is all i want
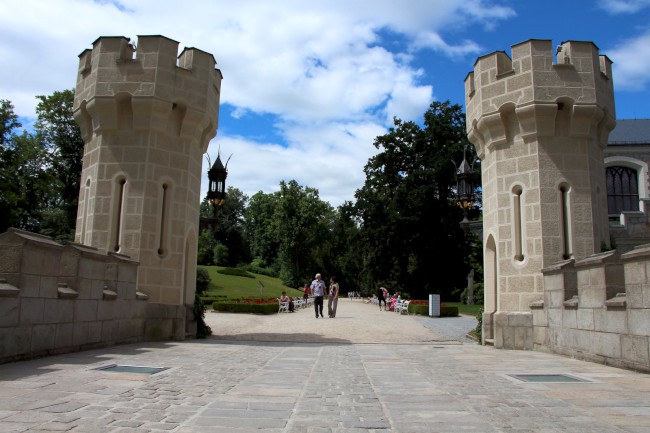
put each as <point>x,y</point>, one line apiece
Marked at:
<point>147,116</point>
<point>540,128</point>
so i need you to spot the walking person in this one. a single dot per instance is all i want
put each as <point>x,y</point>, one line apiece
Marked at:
<point>318,291</point>
<point>333,298</point>
<point>305,293</point>
<point>380,296</point>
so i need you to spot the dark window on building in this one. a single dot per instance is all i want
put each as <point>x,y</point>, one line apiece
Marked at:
<point>622,190</point>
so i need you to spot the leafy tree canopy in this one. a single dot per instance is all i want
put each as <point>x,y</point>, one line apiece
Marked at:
<point>410,235</point>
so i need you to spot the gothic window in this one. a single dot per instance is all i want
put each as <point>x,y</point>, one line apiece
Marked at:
<point>622,190</point>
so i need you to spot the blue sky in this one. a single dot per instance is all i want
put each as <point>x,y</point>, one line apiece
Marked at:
<point>308,85</point>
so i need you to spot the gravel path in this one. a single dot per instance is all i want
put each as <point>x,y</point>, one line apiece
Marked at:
<point>355,322</point>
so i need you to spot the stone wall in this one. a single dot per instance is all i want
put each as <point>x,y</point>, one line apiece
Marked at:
<point>597,309</point>
<point>57,299</point>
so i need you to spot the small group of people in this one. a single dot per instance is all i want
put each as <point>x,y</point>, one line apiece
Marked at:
<point>388,300</point>
<point>319,291</point>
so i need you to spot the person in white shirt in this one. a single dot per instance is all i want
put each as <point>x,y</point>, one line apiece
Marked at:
<point>318,292</point>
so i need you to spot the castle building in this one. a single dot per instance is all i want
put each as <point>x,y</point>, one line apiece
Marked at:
<point>147,117</point>
<point>539,127</point>
<point>566,227</point>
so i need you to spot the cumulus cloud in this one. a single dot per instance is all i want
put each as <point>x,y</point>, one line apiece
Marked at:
<point>320,68</point>
<point>631,59</point>
<point>623,6</point>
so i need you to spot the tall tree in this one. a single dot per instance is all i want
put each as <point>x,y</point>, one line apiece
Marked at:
<point>228,230</point>
<point>59,132</point>
<point>410,233</point>
<point>261,229</point>
<point>301,218</point>
<point>8,122</point>
<point>340,254</point>
<point>27,184</point>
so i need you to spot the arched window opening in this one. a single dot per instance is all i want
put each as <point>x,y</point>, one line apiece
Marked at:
<point>622,190</point>
<point>565,210</point>
<point>517,223</point>
<point>118,215</point>
<point>84,216</point>
<point>164,220</point>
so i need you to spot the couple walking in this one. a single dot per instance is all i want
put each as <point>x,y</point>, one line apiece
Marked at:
<point>318,290</point>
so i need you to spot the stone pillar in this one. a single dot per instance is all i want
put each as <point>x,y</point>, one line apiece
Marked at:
<point>540,128</point>
<point>147,117</point>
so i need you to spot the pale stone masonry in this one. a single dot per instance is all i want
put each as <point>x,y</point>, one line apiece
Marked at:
<point>147,118</point>
<point>539,127</point>
<point>552,281</point>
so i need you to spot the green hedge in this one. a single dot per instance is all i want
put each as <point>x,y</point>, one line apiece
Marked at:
<point>237,307</point>
<point>210,299</point>
<point>240,272</point>
<point>448,311</point>
<point>423,310</point>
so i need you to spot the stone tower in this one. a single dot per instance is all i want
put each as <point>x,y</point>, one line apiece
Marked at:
<point>147,116</point>
<point>539,127</point>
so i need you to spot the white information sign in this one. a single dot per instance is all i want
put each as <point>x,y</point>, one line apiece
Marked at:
<point>434,305</point>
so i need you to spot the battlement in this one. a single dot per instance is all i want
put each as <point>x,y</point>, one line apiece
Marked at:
<point>580,75</point>
<point>115,70</point>
<point>149,48</point>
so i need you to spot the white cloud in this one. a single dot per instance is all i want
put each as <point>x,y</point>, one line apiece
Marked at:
<point>329,157</point>
<point>623,6</point>
<point>631,59</point>
<point>319,67</point>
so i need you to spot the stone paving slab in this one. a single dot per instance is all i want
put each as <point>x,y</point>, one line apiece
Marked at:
<point>422,383</point>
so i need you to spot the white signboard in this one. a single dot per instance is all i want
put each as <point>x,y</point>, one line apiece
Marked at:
<point>434,305</point>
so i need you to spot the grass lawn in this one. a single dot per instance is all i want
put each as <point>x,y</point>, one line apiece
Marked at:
<point>471,310</point>
<point>232,286</point>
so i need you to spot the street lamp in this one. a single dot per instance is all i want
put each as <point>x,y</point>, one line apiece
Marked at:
<point>465,191</point>
<point>217,183</point>
<point>465,199</point>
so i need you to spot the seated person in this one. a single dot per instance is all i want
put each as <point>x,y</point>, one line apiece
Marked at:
<point>285,298</point>
<point>392,302</point>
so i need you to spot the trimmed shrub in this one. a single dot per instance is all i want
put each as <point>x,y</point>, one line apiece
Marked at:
<point>209,299</point>
<point>202,328</point>
<point>269,272</point>
<point>202,280</point>
<point>239,272</point>
<point>423,310</point>
<point>237,307</point>
<point>446,311</point>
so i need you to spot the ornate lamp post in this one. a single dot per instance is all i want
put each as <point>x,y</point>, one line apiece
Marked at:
<point>217,183</point>
<point>465,191</point>
<point>465,199</point>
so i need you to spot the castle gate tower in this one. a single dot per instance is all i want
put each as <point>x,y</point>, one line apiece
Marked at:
<point>539,127</point>
<point>146,117</point>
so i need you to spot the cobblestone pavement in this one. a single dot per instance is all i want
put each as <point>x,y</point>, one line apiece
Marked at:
<point>335,384</point>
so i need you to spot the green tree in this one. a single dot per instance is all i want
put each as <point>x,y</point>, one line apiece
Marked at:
<point>341,254</point>
<point>410,236</point>
<point>227,229</point>
<point>58,131</point>
<point>8,122</point>
<point>221,254</point>
<point>206,244</point>
<point>261,228</point>
<point>27,184</point>
<point>301,218</point>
